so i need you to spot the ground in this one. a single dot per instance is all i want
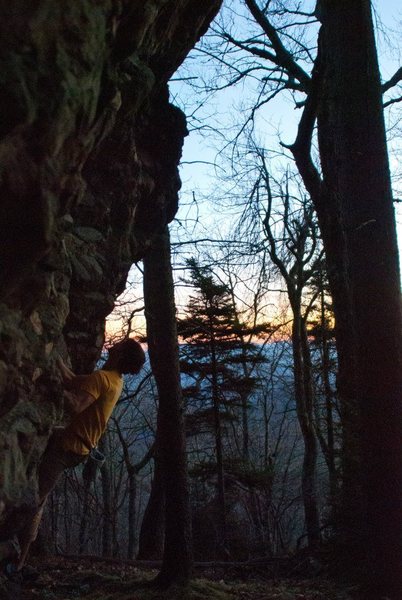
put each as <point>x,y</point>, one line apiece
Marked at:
<point>68,579</point>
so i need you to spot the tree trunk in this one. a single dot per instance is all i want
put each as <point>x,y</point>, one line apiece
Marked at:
<point>304,409</point>
<point>245,431</point>
<point>163,350</point>
<point>132,473</point>
<point>329,451</point>
<point>107,503</point>
<point>67,517</point>
<point>221,538</point>
<point>357,222</point>
<point>88,476</point>
<point>132,513</point>
<point>152,533</point>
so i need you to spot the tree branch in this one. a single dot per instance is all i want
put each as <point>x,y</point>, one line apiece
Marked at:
<point>396,78</point>
<point>283,56</point>
<point>392,101</point>
<point>301,148</point>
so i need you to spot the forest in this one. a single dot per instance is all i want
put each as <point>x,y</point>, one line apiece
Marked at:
<point>258,452</point>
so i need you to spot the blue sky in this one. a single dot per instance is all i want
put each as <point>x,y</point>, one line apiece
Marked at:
<point>201,171</point>
<point>200,175</point>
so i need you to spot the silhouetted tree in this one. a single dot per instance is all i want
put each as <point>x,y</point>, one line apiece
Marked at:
<point>353,199</point>
<point>152,532</point>
<point>292,240</point>
<point>163,351</point>
<point>337,83</point>
<point>215,353</point>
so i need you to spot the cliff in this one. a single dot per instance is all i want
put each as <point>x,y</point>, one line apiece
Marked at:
<point>89,148</point>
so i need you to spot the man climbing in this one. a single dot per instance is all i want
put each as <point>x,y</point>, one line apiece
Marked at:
<point>90,399</point>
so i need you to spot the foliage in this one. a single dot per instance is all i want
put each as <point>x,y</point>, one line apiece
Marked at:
<point>215,344</point>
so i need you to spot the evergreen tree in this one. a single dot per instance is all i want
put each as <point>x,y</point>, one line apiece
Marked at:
<point>214,354</point>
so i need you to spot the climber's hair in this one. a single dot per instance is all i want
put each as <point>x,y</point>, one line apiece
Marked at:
<point>129,355</point>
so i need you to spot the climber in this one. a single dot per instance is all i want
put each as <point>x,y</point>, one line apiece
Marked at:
<point>90,399</point>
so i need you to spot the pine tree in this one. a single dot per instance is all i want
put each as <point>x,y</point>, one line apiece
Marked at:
<point>214,354</point>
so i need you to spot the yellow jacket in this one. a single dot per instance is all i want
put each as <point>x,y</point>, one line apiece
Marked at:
<point>86,428</point>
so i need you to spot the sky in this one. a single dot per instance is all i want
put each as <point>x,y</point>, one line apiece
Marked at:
<point>203,167</point>
<point>199,172</point>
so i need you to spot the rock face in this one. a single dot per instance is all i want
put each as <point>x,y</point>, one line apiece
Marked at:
<point>89,147</point>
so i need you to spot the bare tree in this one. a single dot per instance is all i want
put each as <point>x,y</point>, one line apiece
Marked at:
<point>293,245</point>
<point>334,78</point>
<point>133,469</point>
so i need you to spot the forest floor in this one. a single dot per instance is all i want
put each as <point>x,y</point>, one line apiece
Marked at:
<point>70,579</point>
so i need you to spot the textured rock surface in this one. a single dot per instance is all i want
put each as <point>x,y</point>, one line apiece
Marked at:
<point>89,147</point>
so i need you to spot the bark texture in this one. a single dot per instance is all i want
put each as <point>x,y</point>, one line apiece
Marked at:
<point>163,351</point>
<point>355,209</point>
<point>355,165</point>
<point>152,534</point>
<point>89,147</point>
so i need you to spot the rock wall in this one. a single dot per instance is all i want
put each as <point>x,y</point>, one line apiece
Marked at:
<point>89,147</point>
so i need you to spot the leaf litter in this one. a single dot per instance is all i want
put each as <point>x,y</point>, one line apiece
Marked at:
<point>81,578</point>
